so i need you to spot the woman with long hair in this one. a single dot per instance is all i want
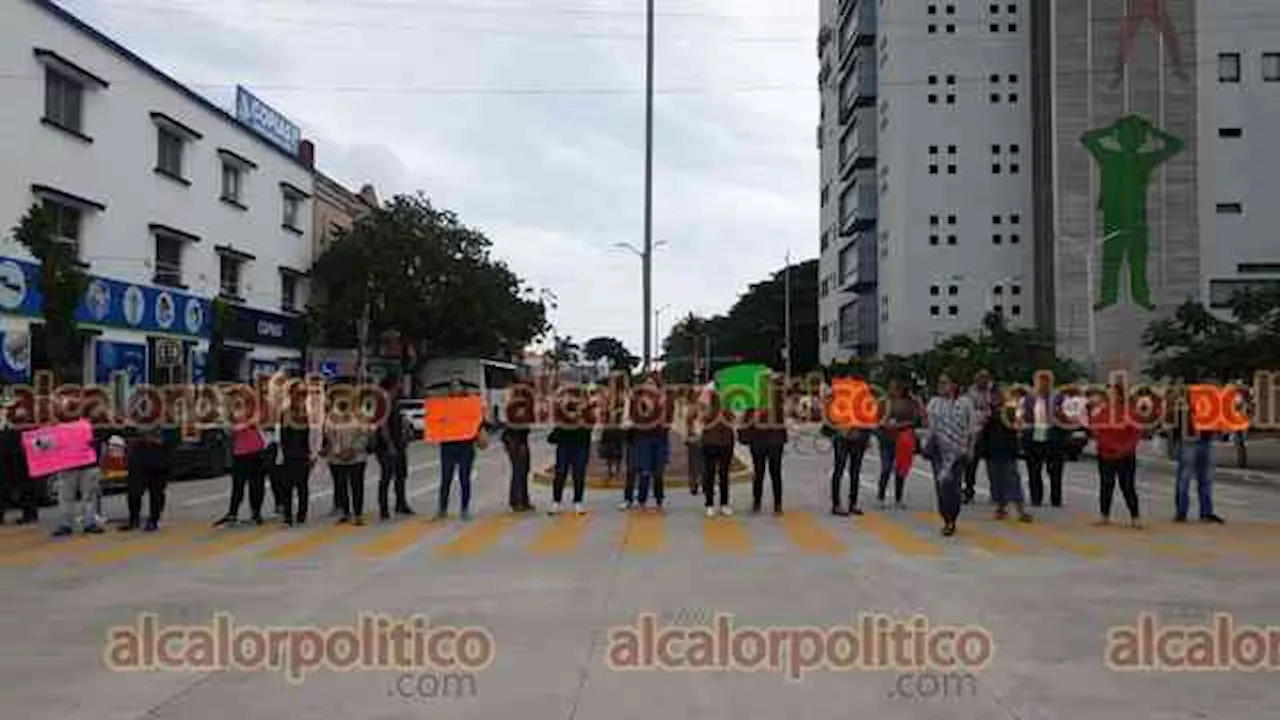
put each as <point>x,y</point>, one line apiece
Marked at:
<point>1116,434</point>
<point>897,440</point>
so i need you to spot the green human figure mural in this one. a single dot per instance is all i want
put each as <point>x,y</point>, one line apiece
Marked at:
<point>1127,152</point>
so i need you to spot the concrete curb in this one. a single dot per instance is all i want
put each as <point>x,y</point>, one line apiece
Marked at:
<point>1242,476</point>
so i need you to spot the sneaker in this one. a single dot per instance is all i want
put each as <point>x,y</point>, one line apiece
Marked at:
<point>62,532</point>
<point>555,509</point>
<point>625,505</point>
<point>1212,519</point>
<point>726,511</point>
<point>711,511</point>
<point>225,520</point>
<point>93,529</point>
<point>578,509</point>
<point>151,526</point>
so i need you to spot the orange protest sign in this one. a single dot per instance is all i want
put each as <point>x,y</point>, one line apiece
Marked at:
<point>453,419</point>
<point>853,404</point>
<point>1217,409</point>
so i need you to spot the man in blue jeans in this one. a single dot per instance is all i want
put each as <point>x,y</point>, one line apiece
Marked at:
<point>1193,452</point>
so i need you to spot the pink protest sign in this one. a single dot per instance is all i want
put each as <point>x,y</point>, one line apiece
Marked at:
<point>59,447</point>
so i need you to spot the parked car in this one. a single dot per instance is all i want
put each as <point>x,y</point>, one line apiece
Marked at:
<point>415,412</point>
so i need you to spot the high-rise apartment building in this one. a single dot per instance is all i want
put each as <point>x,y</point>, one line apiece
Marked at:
<point>1085,167</point>
<point>926,133</point>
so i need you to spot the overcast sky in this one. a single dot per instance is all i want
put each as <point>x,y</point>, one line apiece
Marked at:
<point>527,118</point>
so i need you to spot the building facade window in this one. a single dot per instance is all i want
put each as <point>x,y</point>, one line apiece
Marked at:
<point>63,101</point>
<point>232,183</point>
<point>229,271</point>
<point>1271,67</point>
<point>292,208</point>
<point>288,292</point>
<point>1229,67</point>
<point>168,261</point>
<point>67,221</point>
<point>169,147</point>
<point>1230,208</point>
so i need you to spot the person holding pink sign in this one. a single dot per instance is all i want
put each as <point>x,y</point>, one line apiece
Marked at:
<point>69,453</point>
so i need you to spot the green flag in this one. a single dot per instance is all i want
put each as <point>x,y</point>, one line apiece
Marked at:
<point>743,387</point>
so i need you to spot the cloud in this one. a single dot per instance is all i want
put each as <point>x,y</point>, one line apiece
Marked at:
<point>527,118</point>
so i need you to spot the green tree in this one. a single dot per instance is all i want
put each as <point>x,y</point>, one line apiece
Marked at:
<point>421,272</point>
<point>612,350</point>
<point>1195,344</point>
<point>62,286</point>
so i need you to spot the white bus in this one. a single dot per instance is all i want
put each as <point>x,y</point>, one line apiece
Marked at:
<point>490,378</point>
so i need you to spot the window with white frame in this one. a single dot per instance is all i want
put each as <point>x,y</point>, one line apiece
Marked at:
<point>169,147</point>
<point>232,182</point>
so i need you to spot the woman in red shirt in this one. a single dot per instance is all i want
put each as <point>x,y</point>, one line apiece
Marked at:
<point>1116,433</point>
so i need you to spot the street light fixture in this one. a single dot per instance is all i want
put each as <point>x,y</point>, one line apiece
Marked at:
<point>646,261</point>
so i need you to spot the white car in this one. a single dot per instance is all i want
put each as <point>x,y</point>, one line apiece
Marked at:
<point>414,411</point>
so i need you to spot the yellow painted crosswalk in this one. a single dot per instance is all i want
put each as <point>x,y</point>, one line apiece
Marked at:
<point>915,535</point>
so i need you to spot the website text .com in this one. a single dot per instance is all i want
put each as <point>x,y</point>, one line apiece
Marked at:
<point>428,686</point>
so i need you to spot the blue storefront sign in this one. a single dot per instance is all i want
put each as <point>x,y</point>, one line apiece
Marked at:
<point>15,356</point>
<point>109,303</point>
<point>265,121</point>
<point>112,358</point>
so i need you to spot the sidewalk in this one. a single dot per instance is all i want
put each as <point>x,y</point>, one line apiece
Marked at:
<point>1263,460</point>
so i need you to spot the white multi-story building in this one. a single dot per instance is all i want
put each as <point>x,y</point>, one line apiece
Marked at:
<point>1239,78</point>
<point>925,167</point>
<point>170,200</point>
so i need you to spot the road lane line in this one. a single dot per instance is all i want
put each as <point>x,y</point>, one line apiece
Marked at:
<point>1059,539</point>
<point>400,538</point>
<point>55,548</point>
<point>971,533</point>
<point>809,535</point>
<point>312,541</point>
<point>478,537</point>
<point>140,543</point>
<point>897,536</point>
<point>561,537</point>
<point>644,533</point>
<point>725,536</point>
<point>228,540</point>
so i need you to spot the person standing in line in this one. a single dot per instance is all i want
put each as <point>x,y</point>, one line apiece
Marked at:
<point>716,435</point>
<point>984,397</point>
<point>269,423</point>
<point>1000,436</point>
<point>15,483</point>
<point>148,459</point>
<point>1117,435</point>
<point>249,467</point>
<point>392,445</point>
<point>346,446</point>
<point>849,447</point>
<point>953,432</point>
<point>765,434</point>
<point>515,441</point>
<point>613,440</point>
<point>900,415</point>
<point>693,450</point>
<point>574,425</point>
<point>1193,449</point>
<point>457,457</point>
<point>1043,439</point>
<point>301,439</point>
<point>83,483</point>
<point>651,414</point>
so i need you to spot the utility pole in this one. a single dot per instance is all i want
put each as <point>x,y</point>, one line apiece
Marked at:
<point>647,256</point>
<point>786,342</point>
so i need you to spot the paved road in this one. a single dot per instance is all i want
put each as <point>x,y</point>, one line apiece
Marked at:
<point>549,589</point>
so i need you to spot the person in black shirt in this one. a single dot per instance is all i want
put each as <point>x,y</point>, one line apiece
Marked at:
<point>15,484</point>
<point>515,441</point>
<point>392,446</point>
